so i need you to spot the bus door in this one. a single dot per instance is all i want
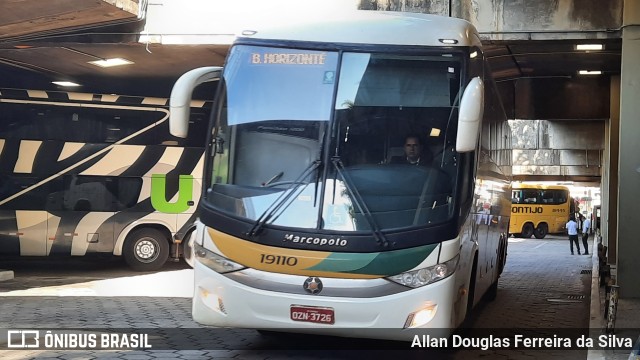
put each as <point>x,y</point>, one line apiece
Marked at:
<point>515,222</point>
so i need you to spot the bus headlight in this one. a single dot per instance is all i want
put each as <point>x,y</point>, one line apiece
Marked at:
<point>428,275</point>
<point>214,261</point>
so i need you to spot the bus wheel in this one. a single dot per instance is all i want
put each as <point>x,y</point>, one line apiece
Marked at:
<point>527,230</point>
<point>541,231</point>
<point>146,249</point>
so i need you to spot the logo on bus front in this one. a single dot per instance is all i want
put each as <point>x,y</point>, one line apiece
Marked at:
<point>526,210</point>
<point>310,240</point>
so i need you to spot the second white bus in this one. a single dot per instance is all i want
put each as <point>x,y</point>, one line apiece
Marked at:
<point>305,223</point>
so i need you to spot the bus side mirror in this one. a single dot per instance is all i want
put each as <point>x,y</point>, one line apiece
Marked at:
<point>470,116</point>
<point>180,102</point>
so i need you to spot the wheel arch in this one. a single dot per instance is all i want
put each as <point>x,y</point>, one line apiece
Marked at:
<point>471,294</point>
<point>184,244</point>
<point>161,226</point>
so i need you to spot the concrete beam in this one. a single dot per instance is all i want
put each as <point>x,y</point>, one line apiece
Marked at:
<point>35,18</point>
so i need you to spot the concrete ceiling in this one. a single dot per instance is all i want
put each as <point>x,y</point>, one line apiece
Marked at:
<point>44,41</point>
<point>551,58</point>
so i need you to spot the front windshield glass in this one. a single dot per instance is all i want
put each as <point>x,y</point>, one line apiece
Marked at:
<point>379,156</point>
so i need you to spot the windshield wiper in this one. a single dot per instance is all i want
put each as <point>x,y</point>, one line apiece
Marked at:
<point>281,203</point>
<point>359,202</point>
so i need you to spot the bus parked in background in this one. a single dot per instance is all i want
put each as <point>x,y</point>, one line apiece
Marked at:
<point>88,173</point>
<point>306,223</point>
<point>537,210</point>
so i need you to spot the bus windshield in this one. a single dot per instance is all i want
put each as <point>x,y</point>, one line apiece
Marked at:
<point>331,140</point>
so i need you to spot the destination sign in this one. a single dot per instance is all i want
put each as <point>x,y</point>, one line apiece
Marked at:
<point>289,59</point>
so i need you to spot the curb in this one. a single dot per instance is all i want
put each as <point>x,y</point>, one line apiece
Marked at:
<point>6,275</point>
<point>596,323</point>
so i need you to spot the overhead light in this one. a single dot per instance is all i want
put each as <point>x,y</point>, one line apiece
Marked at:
<point>448,41</point>
<point>65,83</point>
<point>434,132</point>
<point>111,62</point>
<point>589,47</point>
<point>589,72</point>
<point>473,54</point>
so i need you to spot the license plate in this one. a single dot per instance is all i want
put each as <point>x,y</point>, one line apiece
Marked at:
<point>312,314</point>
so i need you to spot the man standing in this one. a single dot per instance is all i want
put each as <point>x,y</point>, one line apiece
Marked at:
<point>586,226</point>
<point>572,230</point>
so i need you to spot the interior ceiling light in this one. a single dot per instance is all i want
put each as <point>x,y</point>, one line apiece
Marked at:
<point>589,47</point>
<point>111,62</point>
<point>65,83</point>
<point>590,72</point>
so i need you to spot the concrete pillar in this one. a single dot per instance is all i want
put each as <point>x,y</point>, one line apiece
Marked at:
<point>609,210</point>
<point>605,195</point>
<point>628,247</point>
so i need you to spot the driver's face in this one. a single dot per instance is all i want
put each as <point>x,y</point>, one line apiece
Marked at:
<point>412,148</point>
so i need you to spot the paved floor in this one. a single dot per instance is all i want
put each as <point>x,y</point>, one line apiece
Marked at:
<point>543,288</point>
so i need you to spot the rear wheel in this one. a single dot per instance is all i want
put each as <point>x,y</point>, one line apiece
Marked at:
<point>527,230</point>
<point>541,231</point>
<point>146,249</point>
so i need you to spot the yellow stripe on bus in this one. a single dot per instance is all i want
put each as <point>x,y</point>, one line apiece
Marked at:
<point>276,259</point>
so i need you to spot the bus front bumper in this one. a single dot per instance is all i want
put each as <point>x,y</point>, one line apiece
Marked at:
<point>222,302</point>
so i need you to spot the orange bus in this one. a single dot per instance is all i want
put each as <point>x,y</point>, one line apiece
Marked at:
<point>539,209</point>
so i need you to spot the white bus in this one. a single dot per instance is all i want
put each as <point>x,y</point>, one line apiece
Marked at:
<point>307,224</point>
<point>90,173</point>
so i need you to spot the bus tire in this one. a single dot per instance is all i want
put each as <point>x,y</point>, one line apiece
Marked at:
<point>527,230</point>
<point>502,258</point>
<point>541,231</point>
<point>146,249</point>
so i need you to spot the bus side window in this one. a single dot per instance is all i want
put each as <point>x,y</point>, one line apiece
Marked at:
<point>547,196</point>
<point>530,196</point>
<point>516,197</point>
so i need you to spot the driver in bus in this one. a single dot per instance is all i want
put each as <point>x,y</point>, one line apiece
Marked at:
<point>415,154</point>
